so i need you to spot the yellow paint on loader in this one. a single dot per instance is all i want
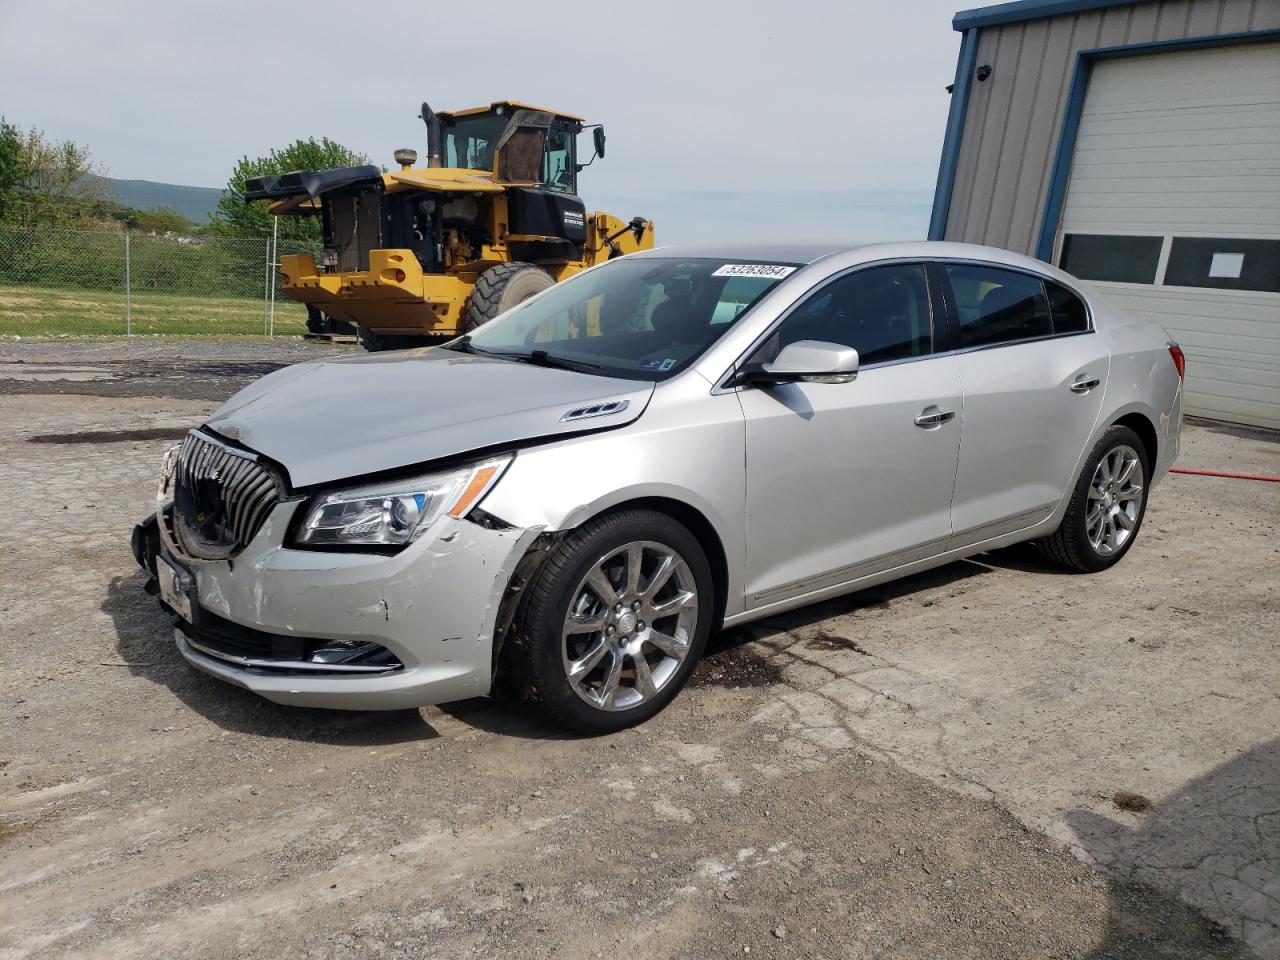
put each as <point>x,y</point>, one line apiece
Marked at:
<point>394,296</point>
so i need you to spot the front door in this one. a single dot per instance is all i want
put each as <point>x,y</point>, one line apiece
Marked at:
<point>848,479</point>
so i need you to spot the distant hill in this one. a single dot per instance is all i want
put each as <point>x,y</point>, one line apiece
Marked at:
<point>195,203</point>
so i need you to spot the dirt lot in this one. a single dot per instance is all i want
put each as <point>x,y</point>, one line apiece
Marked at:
<point>992,760</point>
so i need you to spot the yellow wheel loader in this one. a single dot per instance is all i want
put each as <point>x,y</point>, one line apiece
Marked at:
<point>419,254</point>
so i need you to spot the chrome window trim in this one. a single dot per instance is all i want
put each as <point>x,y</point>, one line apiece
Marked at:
<point>1027,271</point>
<point>722,384</point>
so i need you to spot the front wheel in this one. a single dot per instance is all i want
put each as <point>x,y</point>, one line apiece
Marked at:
<point>615,622</point>
<point>1107,505</point>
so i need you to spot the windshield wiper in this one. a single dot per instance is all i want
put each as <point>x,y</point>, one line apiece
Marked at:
<point>539,358</point>
<point>543,359</point>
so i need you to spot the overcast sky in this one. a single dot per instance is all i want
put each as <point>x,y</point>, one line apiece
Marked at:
<point>791,120</point>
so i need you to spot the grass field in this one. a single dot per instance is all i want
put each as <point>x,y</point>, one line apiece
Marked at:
<point>43,311</point>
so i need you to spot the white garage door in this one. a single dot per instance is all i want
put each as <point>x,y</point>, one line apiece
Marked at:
<point>1173,210</point>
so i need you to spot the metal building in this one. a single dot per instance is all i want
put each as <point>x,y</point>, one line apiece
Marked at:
<point>1137,145</point>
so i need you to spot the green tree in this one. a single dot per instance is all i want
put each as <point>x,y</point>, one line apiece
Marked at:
<point>235,218</point>
<point>45,180</point>
<point>10,168</point>
<point>161,220</point>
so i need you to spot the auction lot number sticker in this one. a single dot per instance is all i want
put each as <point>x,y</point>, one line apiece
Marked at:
<point>772,271</point>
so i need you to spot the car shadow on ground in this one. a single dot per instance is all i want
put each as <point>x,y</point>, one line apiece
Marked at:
<point>144,641</point>
<point>870,598</point>
<point>1214,844</point>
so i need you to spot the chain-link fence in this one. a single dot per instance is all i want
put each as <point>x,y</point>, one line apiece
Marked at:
<point>56,281</point>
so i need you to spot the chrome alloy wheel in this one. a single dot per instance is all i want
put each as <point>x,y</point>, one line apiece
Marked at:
<point>1115,500</point>
<point>630,625</point>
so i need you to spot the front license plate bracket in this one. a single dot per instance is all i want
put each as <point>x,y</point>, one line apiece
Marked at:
<point>177,588</point>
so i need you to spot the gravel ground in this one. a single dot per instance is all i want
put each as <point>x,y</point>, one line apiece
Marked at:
<point>990,760</point>
<point>205,369</point>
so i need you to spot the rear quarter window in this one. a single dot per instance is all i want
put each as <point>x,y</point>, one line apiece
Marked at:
<point>1068,312</point>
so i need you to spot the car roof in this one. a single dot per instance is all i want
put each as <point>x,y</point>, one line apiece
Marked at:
<point>853,253</point>
<point>767,253</point>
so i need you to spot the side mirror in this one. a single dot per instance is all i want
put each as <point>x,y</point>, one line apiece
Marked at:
<point>805,361</point>
<point>597,138</point>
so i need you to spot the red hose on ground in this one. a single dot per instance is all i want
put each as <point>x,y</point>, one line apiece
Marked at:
<point>1224,473</point>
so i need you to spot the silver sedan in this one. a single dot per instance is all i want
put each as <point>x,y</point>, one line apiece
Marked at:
<point>577,494</point>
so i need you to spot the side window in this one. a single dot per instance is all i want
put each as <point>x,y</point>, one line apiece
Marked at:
<point>558,172</point>
<point>882,312</point>
<point>998,306</point>
<point>1067,310</point>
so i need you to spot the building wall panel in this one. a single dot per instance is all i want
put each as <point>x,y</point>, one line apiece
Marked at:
<point>1014,118</point>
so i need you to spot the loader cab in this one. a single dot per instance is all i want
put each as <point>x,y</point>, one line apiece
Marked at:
<point>537,145</point>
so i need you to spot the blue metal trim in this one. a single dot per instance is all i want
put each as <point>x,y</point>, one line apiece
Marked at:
<point>1020,10</point>
<point>1057,192</point>
<point>954,135</point>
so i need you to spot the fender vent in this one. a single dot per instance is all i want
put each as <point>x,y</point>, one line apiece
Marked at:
<point>595,410</point>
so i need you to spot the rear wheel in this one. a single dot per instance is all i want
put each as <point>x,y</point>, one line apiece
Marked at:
<point>1107,505</point>
<point>500,288</point>
<point>615,621</point>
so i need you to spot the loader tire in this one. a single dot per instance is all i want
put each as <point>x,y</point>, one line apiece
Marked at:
<point>500,288</point>
<point>316,321</point>
<point>375,342</point>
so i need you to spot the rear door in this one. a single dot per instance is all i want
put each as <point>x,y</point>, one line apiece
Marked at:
<point>1033,374</point>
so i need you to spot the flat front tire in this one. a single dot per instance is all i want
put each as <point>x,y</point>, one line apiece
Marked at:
<point>1107,505</point>
<point>615,622</point>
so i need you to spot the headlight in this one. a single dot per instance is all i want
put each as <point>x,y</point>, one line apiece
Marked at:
<point>394,513</point>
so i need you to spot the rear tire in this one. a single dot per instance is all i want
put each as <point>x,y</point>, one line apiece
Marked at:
<point>614,622</point>
<point>500,288</point>
<point>378,342</point>
<point>316,321</point>
<point>373,342</point>
<point>1107,505</point>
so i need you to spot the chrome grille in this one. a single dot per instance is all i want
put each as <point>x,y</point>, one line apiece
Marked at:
<point>222,496</point>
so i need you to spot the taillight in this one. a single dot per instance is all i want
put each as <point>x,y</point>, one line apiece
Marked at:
<point>400,279</point>
<point>1179,360</point>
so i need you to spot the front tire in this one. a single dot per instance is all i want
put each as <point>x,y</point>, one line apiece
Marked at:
<point>1107,505</point>
<point>615,622</point>
<point>500,288</point>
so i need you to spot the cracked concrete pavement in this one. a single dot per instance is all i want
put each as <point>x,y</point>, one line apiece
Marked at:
<point>927,768</point>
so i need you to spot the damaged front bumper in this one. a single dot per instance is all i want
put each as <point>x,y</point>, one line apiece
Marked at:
<point>276,620</point>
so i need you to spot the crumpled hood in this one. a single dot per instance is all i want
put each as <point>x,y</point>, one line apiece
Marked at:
<point>334,419</point>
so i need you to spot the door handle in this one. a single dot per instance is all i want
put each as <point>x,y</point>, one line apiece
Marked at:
<point>1084,384</point>
<point>929,420</point>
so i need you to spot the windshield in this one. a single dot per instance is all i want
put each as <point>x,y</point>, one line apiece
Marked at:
<point>469,142</point>
<point>642,318</point>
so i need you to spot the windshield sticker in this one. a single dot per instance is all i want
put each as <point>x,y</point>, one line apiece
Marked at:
<point>663,365</point>
<point>774,271</point>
